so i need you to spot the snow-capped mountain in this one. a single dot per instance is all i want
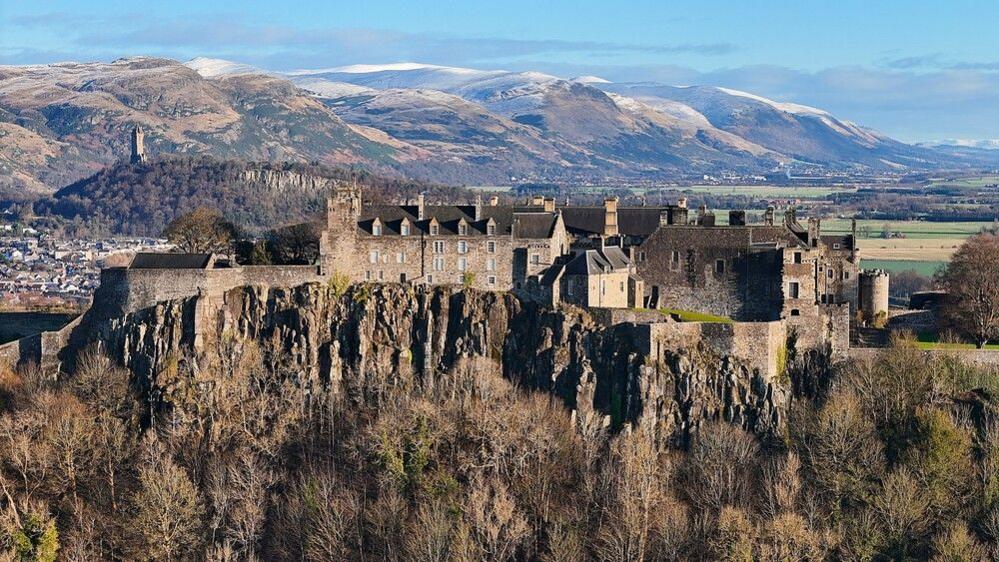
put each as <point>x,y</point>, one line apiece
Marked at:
<point>59,122</point>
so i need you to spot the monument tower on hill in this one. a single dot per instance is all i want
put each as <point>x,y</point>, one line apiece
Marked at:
<point>138,146</point>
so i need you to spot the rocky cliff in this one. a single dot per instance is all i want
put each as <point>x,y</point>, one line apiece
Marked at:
<point>372,336</point>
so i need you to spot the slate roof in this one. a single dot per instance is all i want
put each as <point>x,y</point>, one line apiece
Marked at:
<point>845,241</point>
<point>150,260</point>
<point>594,261</point>
<point>632,221</point>
<point>533,223</point>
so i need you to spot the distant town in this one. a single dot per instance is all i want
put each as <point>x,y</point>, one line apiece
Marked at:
<point>40,272</point>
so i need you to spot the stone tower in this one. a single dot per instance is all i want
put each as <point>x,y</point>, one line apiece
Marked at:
<point>337,243</point>
<point>138,146</point>
<point>874,284</point>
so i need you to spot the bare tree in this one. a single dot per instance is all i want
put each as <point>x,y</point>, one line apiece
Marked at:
<point>972,282</point>
<point>201,231</point>
<point>167,511</point>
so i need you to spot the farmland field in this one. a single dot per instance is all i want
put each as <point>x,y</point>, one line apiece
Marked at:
<point>925,243</point>
<point>927,268</point>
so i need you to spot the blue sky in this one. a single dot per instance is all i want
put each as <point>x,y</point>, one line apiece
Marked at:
<point>915,69</point>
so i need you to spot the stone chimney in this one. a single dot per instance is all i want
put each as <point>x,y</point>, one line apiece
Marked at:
<point>549,204</point>
<point>768,216</point>
<point>813,231</point>
<point>682,202</point>
<point>663,218</point>
<point>537,201</point>
<point>478,207</point>
<point>493,201</point>
<point>421,203</point>
<point>610,216</point>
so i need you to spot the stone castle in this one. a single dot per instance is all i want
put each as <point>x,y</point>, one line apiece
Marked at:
<point>779,283</point>
<point>609,256</point>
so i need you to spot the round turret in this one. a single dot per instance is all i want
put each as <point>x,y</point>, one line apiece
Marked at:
<point>874,296</point>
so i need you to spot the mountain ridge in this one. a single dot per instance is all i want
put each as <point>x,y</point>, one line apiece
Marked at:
<point>62,122</point>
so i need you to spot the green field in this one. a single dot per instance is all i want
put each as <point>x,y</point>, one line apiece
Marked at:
<point>976,182</point>
<point>690,316</point>
<point>927,268</point>
<point>911,229</point>
<point>768,191</point>
<point>926,340</point>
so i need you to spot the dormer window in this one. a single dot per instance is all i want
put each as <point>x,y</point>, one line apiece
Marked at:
<point>491,228</point>
<point>404,228</point>
<point>376,228</point>
<point>462,228</point>
<point>435,228</point>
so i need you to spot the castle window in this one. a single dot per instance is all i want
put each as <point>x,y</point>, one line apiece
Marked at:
<point>795,312</point>
<point>462,229</point>
<point>720,267</point>
<point>836,246</point>
<point>430,279</point>
<point>462,247</point>
<point>404,229</point>
<point>569,287</point>
<point>491,229</point>
<point>641,256</point>
<point>797,257</point>
<point>367,276</point>
<point>491,264</point>
<point>621,288</point>
<point>376,229</point>
<point>400,257</point>
<point>462,264</point>
<point>491,247</point>
<point>381,275</point>
<point>439,247</point>
<point>792,290</point>
<point>491,280</point>
<point>373,256</point>
<point>846,275</point>
<point>830,273</point>
<point>438,264</point>
<point>435,229</point>
<point>535,259</point>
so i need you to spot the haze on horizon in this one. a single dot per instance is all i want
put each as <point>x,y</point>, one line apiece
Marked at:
<point>916,70</point>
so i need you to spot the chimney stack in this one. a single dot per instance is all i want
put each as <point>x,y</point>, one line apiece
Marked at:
<point>478,207</point>
<point>682,202</point>
<point>768,216</point>
<point>610,216</point>
<point>493,201</point>
<point>537,201</point>
<point>421,201</point>
<point>549,204</point>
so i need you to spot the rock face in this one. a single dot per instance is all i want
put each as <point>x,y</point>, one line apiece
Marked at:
<point>375,336</point>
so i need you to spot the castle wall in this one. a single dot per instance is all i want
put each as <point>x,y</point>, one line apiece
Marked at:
<point>125,290</point>
<point>714,271</point>
<point>757,345</point>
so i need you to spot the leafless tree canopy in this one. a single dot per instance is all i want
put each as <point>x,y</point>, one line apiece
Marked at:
<point>227,457</point>
<point>972,281</point>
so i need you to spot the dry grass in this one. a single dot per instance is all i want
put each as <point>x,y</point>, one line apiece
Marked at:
<point>909,249</point>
